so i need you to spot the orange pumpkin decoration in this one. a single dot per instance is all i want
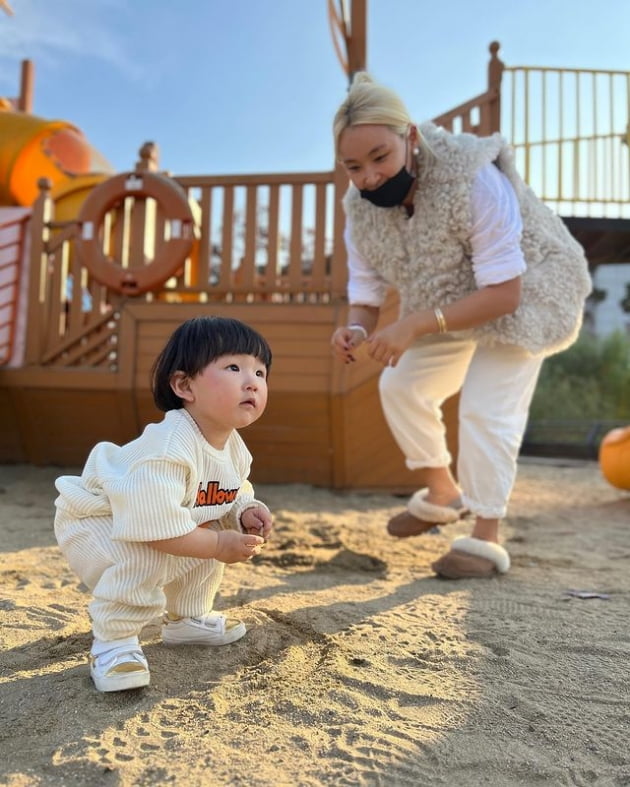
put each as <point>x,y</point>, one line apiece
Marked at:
<point>614,457</point>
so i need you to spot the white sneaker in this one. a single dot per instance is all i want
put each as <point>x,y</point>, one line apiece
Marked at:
<point>119,669</point>
<point>207,630</point>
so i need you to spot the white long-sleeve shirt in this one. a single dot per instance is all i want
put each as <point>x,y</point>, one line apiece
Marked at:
<point>495,241</point>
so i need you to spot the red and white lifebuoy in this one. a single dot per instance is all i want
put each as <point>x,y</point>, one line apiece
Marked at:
<point>170,253</point>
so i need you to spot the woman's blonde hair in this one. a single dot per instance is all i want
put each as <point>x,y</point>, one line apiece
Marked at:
<point>369,103</point>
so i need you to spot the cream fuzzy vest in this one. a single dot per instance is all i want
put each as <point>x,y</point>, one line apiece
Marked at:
<point>428,258</point>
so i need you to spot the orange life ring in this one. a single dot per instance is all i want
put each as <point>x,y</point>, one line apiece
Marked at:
<point>169,254</point>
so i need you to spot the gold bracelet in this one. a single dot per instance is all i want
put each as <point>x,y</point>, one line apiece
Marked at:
<point>442,326</point>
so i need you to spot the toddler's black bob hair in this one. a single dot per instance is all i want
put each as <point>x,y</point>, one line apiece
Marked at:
<point>195,344</point>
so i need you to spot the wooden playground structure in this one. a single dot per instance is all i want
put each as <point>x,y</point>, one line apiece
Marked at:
<point>97,271</point>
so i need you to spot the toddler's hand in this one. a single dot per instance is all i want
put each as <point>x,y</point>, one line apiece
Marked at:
<point>257,521</point>
<point>233,547</point>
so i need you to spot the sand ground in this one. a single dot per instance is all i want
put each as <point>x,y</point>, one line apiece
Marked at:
<point>359,666</point>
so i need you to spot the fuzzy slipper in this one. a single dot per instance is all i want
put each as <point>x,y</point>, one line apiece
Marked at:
<point>421,516</point>
<point>471,558</point>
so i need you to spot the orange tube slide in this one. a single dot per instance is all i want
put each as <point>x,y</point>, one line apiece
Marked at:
<point>32,148</point>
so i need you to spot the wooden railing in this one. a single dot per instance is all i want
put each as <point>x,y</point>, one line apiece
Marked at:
<point>261,238</point>
<point>72,319</point>
<point>482,114</point>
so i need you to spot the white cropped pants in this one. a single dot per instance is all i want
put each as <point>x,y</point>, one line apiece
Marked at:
<point>132,583</point>
<point>497,385</point>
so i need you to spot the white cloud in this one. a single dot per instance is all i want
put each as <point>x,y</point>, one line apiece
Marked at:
<point>48,32</point>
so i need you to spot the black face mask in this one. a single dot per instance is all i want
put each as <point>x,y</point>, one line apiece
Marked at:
<point>392,192</point>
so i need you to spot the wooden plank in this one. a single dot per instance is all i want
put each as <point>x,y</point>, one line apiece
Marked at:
<point>48,378</point>
<point>264,179</point>
<point>290,438</point>
<point>136,241</point>
<point>311,468</point>
<point>318,272</point>
<point>339,268</point>
<point>61,426</point>
<point>145,410</point>
<point>372,457</point>
<point>128,346</point>
<point>115,227</point>
<point>293,348</point>
<point>200,276</point>
<point>256,314</point>
<point>309,472</point>
<point>248,263</point>
<point>272,268</point>
<point>227,238</point>
<point>295,241</point>
<point>288,331</point>
<point>11,442</point>
<point>76,317</point>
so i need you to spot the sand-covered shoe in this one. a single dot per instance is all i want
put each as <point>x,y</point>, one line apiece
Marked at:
<point>421,516</point>
<point>472,558</point>
<point>213,630</point>
<point>120,669</point>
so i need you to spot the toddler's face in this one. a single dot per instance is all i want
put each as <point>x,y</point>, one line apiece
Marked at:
<point>230,393</point>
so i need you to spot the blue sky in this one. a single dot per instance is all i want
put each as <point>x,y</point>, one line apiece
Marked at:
<point>233,86</point>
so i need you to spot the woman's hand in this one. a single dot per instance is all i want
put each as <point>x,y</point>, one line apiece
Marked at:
<point>361,322</point>
<point>233,547</point>
<point>257,521</point>
<point>344,340</point>
<point>387,345</point>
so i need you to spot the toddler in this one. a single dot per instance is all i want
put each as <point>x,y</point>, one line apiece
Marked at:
<point>149,526</point>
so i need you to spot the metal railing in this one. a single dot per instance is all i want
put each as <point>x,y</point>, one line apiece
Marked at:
<point>567,437</point>
<point>570,132</point>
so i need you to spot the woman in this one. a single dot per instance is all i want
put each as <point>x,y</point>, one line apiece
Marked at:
<point>490,282</point>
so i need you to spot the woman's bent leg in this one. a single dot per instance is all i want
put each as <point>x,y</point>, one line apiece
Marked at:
<point>412,394</point>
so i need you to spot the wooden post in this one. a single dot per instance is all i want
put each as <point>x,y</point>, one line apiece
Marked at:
<point>37,323</point>
<point>351,28</point>
<point>149,158</point>
<point>495,72</point>
<point>27,83</point>
<point>357,41</point>
<point>338,267</point>
<point>355,37</point>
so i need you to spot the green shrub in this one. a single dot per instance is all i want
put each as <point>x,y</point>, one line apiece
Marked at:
<point>590,380</point>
